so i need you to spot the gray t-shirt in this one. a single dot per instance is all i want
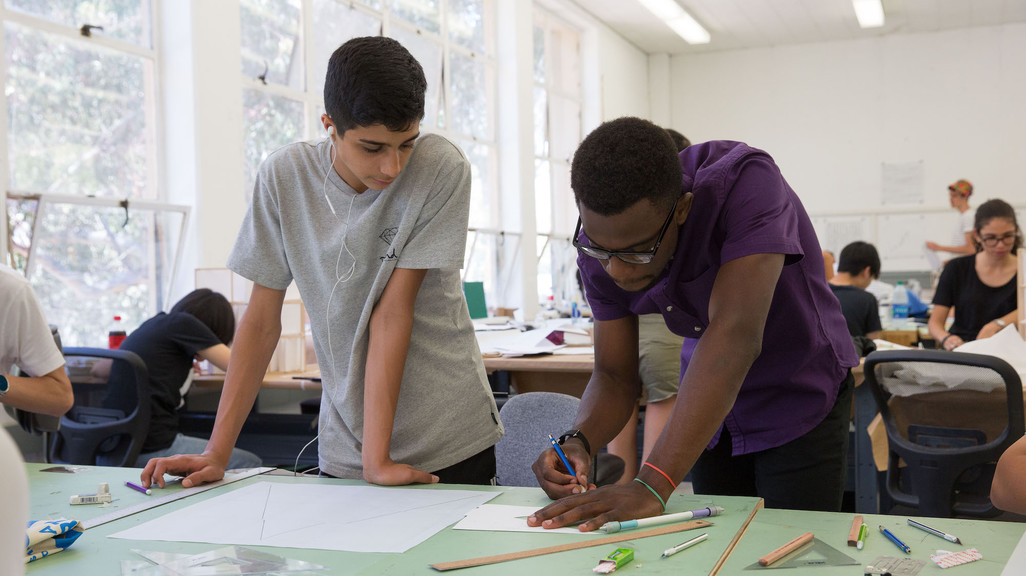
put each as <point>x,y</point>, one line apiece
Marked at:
<point>445,412</point>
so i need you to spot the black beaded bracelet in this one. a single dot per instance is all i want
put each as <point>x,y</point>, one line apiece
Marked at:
<point>945,339</point>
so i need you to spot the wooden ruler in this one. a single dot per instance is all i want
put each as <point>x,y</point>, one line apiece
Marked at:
<point>183,493</point>
<point>623,536</point>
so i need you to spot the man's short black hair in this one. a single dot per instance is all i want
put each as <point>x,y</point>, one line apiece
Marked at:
<point>679,140</point>
<point>622,162</point>
<point>212,309</point>
<point>856,256</point>
<point>374,80</point>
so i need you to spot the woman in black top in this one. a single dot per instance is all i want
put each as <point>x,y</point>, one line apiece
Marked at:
<point>199,327</point>
<point>981,287</point>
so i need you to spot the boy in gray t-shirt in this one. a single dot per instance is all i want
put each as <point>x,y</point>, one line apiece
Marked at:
<point>371,224</point>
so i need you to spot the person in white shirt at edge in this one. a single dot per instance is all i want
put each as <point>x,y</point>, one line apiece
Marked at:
<point>26,342</point>
<point>371,223</point>
<point>962,243</point>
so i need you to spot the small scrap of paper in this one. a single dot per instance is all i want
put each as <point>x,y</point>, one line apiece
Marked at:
<point>946,559</point>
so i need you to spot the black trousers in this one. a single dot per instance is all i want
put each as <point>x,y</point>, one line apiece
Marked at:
<point>478,469</point>
<point>807,473</point>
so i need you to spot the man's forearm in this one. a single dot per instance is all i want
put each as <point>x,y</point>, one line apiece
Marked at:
<point>49,394</point>
<point>606,405</point>
<point>707,394</point>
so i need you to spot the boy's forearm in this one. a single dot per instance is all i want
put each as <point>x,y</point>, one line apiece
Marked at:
<point>386,360</point>
<point>255,342</point>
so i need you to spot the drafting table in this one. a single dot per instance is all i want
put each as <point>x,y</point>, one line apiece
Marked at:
<point>94,553</point>
<point>772,528</point>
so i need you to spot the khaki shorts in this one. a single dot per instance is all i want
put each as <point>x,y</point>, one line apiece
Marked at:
<point>659,358</point>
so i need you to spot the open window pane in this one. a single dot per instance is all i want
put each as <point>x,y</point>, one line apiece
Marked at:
<point>480,187</point>
<point>429,54</point>
<point>542,196</point>
<point>77,117</point>
<point>88,264</point>
<point>424,14</point>
<point>270,123</point>
<point>565,128</point>
<point>336,23</point>
<point>470,104</point>
<point>467,24</point>
<point>272,44</point>
<point>126,20</point>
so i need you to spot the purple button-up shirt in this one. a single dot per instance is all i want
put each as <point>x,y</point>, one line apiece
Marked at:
<point>742,206</point>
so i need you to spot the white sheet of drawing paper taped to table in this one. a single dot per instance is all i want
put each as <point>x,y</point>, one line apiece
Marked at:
<point>326,517</point>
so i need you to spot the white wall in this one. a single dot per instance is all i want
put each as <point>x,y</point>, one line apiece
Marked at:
<point>623,70</point>
<point>831,113</point>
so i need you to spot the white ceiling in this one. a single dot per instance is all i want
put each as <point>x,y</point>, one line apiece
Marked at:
<point>739,24</point>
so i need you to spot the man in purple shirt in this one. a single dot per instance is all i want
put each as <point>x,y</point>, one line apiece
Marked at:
<point>718,243</point>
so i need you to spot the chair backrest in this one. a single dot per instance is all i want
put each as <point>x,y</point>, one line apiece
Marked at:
<point>528,419</point>
<point>949,416</point>
<point>111,415</point>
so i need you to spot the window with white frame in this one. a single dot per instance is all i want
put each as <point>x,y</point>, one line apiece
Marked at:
<point>285,55</point>
<point>557,132</point>
<point>85,221</point>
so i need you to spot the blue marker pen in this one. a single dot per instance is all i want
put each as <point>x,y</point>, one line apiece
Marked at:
<point>894,539</point>
<point>559,452</point>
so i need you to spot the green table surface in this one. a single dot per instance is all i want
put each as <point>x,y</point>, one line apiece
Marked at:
<point>95,553</point>
<point>772,528</point>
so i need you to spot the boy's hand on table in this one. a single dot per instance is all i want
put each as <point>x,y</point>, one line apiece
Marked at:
<point>598,506</point>
<point>395,474</point>
<point>196,468</point>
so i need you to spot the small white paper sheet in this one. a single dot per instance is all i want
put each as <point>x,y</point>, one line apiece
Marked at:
<point>506,518</point>
<point>345,518</point>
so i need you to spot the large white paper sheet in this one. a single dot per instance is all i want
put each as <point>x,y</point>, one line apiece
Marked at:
<point>1017,563</point>
<point>346,518</point>
<point>505,518</point>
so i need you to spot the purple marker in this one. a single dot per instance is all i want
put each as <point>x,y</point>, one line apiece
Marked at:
<point>137,487</point>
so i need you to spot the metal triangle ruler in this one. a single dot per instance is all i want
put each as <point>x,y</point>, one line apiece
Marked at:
<point>229,477</point>
<point>817,553</point>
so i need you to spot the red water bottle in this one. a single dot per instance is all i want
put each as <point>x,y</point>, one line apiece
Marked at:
<point>116,336</point>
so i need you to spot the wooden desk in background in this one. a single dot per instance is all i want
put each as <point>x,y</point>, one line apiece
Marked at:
<point>563,373</point>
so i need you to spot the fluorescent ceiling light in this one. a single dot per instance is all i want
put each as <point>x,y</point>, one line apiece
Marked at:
<point>869,12</point>
<point>678,19</point>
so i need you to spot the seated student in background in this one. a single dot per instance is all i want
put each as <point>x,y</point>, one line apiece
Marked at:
<point>26,342</point>
<point>200,326</point>
<point>828,264</point>
<point>659,370</point>
<point>718,243</point>
<point>858,267</point>
<point>371,223</point>
<point>981,287</point>
<point>1008,490</point>
<point>962,238</point>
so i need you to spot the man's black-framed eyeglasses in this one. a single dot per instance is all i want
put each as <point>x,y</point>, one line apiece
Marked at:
<point>628,257</point>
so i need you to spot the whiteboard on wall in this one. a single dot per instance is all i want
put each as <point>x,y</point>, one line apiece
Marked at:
<point>836,232</point>
<point>902,238</point>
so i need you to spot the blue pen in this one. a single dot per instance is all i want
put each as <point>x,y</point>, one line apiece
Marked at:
<point>894,539</point>
<point>559,452</point>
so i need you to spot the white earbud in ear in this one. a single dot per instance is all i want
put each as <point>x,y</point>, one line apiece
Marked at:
<point>331,130</point>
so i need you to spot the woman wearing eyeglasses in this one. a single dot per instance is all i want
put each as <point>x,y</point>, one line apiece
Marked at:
<point>980,287</point>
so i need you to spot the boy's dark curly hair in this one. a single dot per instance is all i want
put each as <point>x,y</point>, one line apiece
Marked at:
<point>622,162</point>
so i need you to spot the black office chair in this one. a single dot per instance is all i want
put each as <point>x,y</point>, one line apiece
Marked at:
<point>111,415</point>
<point>943,443</point>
